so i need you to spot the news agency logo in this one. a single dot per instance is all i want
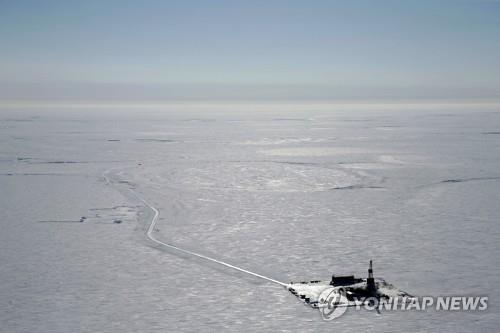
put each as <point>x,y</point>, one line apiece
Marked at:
<point>333,303</point>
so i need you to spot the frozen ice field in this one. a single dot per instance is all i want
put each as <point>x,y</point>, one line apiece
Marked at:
<point>290,194</point>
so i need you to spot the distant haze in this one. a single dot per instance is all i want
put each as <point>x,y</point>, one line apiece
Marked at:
<point>249,50</point>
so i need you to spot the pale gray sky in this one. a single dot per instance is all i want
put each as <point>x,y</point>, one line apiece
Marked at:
<point>161,50</point>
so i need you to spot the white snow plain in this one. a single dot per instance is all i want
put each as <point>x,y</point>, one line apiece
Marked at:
<point>293,198</point>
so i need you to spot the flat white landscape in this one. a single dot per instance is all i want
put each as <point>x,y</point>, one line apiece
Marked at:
<point>292,194</point>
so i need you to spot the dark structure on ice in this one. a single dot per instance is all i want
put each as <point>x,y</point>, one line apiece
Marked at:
<point>348,280</point>
<point>356,288</point>
<point>370,282</point>
<point>344,280</point>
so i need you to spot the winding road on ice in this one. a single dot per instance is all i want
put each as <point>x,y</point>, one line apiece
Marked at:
<point>151,228</point>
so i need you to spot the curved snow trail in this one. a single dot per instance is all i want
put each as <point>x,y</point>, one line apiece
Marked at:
<point>149,234</point>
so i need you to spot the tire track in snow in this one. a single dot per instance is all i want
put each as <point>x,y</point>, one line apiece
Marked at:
<point>150,236</point>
